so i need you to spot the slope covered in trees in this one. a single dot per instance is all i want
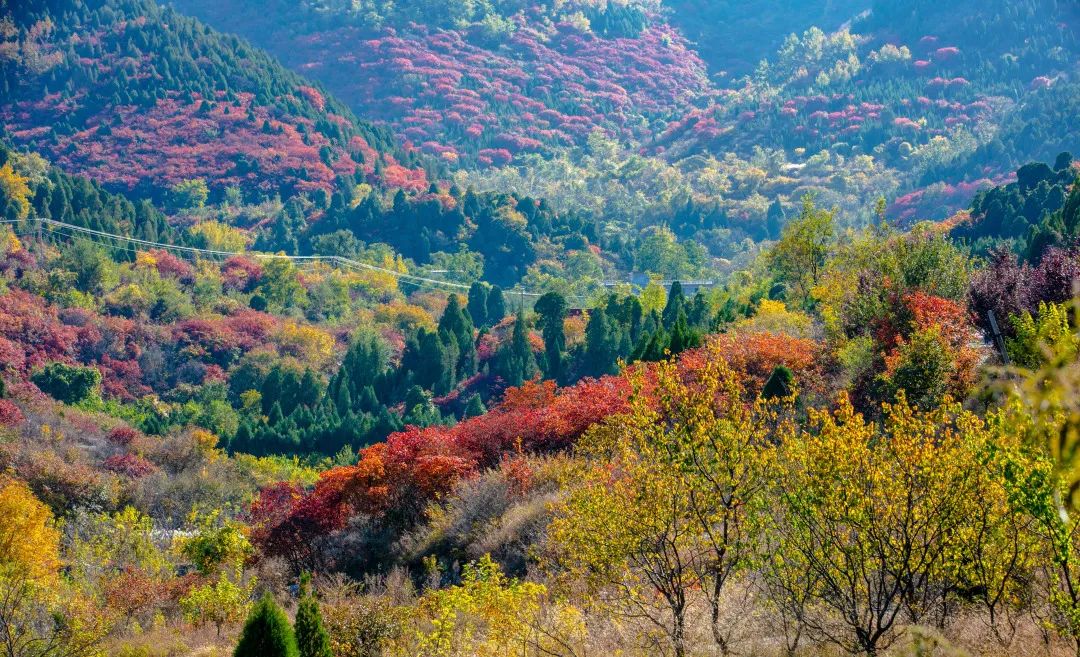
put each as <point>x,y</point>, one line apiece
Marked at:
<point>140,97</point>
<point>718,29</point>
<point>144,100</point>
<point>1041,209</point>
<point>441,424</point>
<point>483,84</point>
<point>930,101</point>
<point>923,104</point>
<point>820,421</point>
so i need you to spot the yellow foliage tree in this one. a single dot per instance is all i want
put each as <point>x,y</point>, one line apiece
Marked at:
<point>669,509</point>
<point>41,614</point>
<point>800,254</point>
<point>11,242</point>
<point>311,345</point>
<point>15,189</point>
<point>774,317</point>
<point>877,525</point>
<point>29,541</point>
<point>484,616</point>
<point>218,236</point>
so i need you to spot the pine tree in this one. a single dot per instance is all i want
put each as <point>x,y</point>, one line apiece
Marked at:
<point>682,338</point>
<point>311,389</point>
<point>456,324</point>
<point>652,345</point>
<point>267,632</point>
<point>426,359</point>
<point>698,315</point>
<point>276,416</point>
<point>475,407</point>
<point>311,637</point>
<point>600,348</point>
<point>774,220</point>
<point>270,389</point>
<point>453,319</point>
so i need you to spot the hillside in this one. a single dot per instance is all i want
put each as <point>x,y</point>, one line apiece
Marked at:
<point>182,432</point>
<point>932,101</point>
<point>159,106</point>
<point>141,98</point>
<point>483,86</point>
<point>545,328</point>
<point>921,106</point>
<point>717,29</point>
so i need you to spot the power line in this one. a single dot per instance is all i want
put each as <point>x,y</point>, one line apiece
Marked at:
<point>58,227</point>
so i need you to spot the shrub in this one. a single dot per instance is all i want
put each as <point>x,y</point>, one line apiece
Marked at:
<point>67,383</point>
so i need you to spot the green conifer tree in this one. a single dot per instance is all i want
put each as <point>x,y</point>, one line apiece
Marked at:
<point>515,362</point>
<point>600,348</point>
<point>552,310</point>
<point>455,324</point>
<point>675,301</point>
<point>781,383</point>
<point>311,637</point>
<point>267,632</point>
<point>496,306</point>
<point>478,299</point>
<point>475,407</point>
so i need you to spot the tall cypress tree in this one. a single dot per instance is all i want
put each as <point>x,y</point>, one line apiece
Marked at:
<point>477,305</point>
<point>600,345</point>
<point>515,362</point>
<point>682,336</point>
<point>496,306</point>
<point>455,324</point>
<point>454,320</point>
<point>675,301</point>
<point>774,220</point>
<point>311,637</point>
<point>267,632</point>
<point>552,310</point>
<point>698,315</point>
<point>363,366</point>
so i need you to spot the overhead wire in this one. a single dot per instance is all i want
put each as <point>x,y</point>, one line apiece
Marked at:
<point>66,230</point>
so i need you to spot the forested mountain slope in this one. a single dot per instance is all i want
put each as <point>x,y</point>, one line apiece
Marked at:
<point>482,84</point>
<point>181,433</point>
<point>650,113</point>
<point>616,331</point>
<point>733,36</point>
<point>140,97</point>
<point>926,101</point>
<point>155,104</point>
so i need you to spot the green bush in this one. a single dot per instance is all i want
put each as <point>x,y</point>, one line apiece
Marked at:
<point>70,384</point>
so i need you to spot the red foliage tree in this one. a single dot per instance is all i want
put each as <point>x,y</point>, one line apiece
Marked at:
<point>10,415</point>
<point>129,465</point>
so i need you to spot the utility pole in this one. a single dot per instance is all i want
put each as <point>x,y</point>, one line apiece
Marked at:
<point>999,339</point>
